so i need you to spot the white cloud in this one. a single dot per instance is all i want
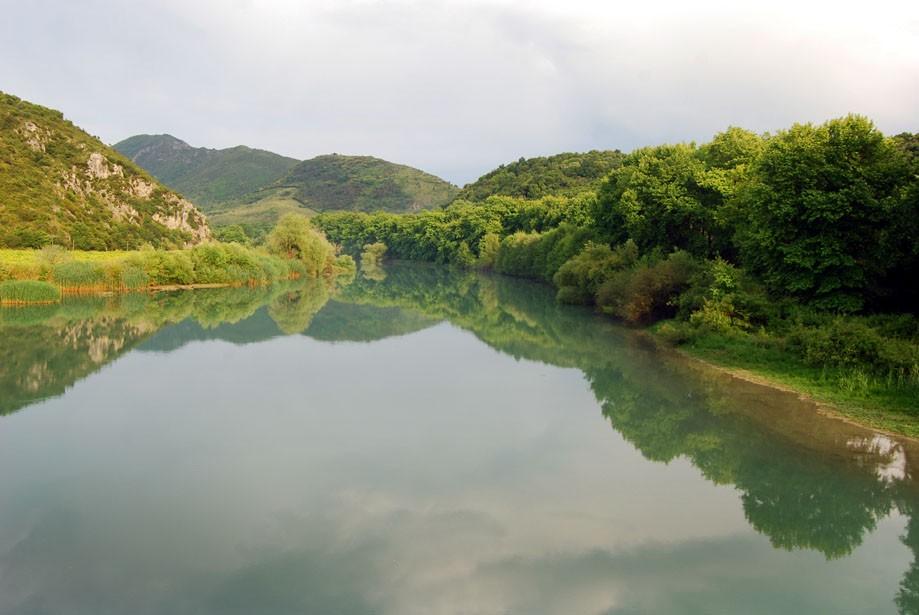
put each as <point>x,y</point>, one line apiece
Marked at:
<point>458,87</point>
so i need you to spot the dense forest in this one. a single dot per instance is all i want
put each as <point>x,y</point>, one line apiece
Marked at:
<point>795,250</point>
<point>533,178</point>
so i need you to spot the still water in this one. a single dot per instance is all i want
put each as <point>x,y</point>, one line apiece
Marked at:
<point>425,443</point>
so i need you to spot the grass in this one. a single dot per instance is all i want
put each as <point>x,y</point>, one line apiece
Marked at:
<point>260,216</point>
<point>887,402</point>
<point>25,272</point>
<point>24,292</point>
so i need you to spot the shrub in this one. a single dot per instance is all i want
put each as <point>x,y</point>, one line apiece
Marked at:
<point>488,250</point>
<point>167,268</point>
<point>294,238</point>
<point>581,276</point>
<point>852,343</point>
<point>647,292</point>
<point>344,265</point>
<point>373,254</point>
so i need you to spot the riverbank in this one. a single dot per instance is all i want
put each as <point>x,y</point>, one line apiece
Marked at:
<point>889,404</point>
<point>44,276</point>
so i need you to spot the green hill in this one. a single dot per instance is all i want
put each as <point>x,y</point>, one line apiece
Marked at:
<point>364,183</point>
<point>333,183</point>
<point>533,178</point>
<point>209,177</point>
<point>61,185</point>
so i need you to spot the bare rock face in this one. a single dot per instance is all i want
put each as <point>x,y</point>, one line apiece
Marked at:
<point>184,216</point>
<point>100,168</point>
<point>141,187</point>
<point>34,136</point>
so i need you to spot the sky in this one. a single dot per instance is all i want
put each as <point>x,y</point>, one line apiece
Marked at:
<point>459,87</point>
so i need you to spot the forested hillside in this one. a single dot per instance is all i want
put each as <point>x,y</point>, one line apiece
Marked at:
<point>533,178</point>
<point>209,177</point>
<point>793,254</point>
<point>60,185</point>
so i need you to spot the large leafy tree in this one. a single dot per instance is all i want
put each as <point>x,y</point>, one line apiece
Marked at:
<point>675,196</point>
<point>820,211</point>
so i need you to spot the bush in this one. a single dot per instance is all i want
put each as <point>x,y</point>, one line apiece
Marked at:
<point>344,265</point>
<point>373,254</point>
<point>488,250</point>
<point>581,276</point>
<point>540,255</point>
<point>28,291</point>
<point>647,292</point>
<point>295,239</point>
<point>166,268</point>
<point>852,343</point>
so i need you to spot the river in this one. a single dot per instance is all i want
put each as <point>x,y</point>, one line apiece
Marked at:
<point>425,442</point>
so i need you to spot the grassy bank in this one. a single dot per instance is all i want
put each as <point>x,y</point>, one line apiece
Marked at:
<point>75,272</point>
<point>865,375</point>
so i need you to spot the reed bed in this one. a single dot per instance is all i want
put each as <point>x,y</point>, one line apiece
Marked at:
<point>25,292</point>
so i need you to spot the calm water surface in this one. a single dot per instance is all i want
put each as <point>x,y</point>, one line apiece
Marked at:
<point>428,443</point>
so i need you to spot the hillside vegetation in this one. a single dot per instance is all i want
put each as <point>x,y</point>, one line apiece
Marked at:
<point>792,255</point>
<point>61,185</point>
<point>209,177</point>
<point>532,178</point>
<point>364,183</point>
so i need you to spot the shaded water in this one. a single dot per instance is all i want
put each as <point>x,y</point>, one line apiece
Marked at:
<point>429,442</point>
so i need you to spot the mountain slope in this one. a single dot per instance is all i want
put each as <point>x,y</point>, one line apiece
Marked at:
<point>208,177</point>
<point>562,174</point>
<point>364,183</point>
<point>60,185</point>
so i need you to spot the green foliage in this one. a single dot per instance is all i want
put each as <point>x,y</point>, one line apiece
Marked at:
<point>364,183</point>
<point>648,291</point>
<point>78,274</point>
<point>853,343</point>
<point>533,178</point>
<point>455,234</point>
<point>234,233</point>
<point>677,196</point>
<point>373,254</point>
<point>28,291</point>
<point>294,238</point>
<point>540,255</point>
<point>206,176</point>
<point>59,185</point>
<point>823,211</point>
<point>579,279</point>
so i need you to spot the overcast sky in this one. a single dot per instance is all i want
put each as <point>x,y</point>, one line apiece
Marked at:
<point>457,88</point>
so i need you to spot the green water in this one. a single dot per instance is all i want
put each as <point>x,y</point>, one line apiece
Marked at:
<point>429,442</point>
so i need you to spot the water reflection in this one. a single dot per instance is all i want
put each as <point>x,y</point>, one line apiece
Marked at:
<point>806,481</point>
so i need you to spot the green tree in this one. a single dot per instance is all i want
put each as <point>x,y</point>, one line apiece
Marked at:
<point>820,211</point>
<point>659,199</point>
<point>295,238</point>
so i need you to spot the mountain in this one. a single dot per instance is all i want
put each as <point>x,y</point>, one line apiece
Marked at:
<point>364,183</point>
<point>562,174</point>
<point>60,185</point>
<point>209,177</point>
<point>336,182</point>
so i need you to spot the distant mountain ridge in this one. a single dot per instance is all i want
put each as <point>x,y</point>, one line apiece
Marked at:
<point>253,187</point>
<point>60,185</point>
<point>209,177</point>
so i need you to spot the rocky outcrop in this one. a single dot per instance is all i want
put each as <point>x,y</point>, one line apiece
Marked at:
<point>183,216</point>
<point>60,185</point>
